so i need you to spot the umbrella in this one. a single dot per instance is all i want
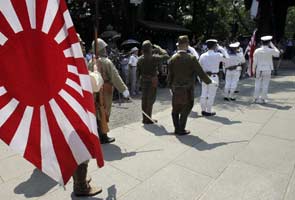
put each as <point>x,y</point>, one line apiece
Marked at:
<point>108,34</point>
<point>130,42</point>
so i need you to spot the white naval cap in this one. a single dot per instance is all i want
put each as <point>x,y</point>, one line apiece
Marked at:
<point>211,41</point>
<point>234,45</point>
<point>266,38</point>
<point>134,49</point>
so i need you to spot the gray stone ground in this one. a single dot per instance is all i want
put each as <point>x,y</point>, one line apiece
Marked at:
<point>246,152</point>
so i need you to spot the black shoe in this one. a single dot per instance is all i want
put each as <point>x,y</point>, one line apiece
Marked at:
<point>183,132</point>
<point>212,114</point>
<point>237,91</point>
<point>105,139</point>
<point>226,99</point>
<point>233,99</point>
<point>204,113</point>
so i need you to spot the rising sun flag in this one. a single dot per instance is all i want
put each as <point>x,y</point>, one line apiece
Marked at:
<point>46,105</point>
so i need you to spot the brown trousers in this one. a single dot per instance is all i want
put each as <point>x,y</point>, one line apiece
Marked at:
<point>182,104</point>
<point>149,92</point>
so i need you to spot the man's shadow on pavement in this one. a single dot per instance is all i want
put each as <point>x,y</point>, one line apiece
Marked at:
<point>223,120</point>
<point>201,144</point>
<point>189,140</point>
<point>275,106</point>
<point>156,129</point>
<point>112,195</point>
<point>112,152</point>
<point>194,115</point>
<point>37,185</point>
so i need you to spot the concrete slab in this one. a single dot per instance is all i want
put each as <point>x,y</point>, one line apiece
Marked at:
<point>29,186</point>
<point>256,116</point>
<point>280,128</point>
<point>150,159</point>
<point>290,194</point>
<point>115,184</point>
<point>214,154</point>
<point>172,182</point>
<point>14,167</point>
<point>6,152</point>
<point>270,153</point>
<point>242,181</point>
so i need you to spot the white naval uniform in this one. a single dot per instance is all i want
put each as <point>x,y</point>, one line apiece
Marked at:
<point>262,66</point>
<point>232,76</point>
<point>210,63</point>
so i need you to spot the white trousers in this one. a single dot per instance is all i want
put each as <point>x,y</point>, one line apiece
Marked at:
<point>261,84</point>
<point>208,95</point>
<point>232,78</point>
<point>132,80</point>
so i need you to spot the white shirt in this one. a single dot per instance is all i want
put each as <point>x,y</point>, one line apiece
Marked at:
<point>133,60</point>
<point>193,52</point>
<point>262,60</point>
<point>210,61</point>
<point>234,60</point>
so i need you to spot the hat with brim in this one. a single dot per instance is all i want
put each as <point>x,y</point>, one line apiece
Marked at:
<point>266,38</point>
<point>134,49</point>
<point>211,41</point>
<point>234,45</point>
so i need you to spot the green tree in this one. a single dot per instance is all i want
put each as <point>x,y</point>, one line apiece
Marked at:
<point>290,23</point>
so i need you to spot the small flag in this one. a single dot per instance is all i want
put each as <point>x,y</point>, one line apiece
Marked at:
<point>250,50</point>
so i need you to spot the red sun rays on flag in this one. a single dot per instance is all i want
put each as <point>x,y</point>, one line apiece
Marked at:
<point>46,104</point>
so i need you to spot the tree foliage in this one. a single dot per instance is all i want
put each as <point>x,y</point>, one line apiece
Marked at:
<point>290,23</point>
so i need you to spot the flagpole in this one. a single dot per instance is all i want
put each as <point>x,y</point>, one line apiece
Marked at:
<point>96,27</point>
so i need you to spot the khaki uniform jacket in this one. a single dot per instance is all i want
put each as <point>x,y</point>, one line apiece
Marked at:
<point>183,69</point>
<point>148,67</point>
<point>111,79</point>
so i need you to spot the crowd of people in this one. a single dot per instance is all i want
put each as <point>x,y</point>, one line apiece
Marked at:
<point>185,67</point>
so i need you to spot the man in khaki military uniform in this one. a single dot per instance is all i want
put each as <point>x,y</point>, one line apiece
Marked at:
<point>182,71</point>
<point>82,185</point>
<point>111,79</point>
<point>147,72</point>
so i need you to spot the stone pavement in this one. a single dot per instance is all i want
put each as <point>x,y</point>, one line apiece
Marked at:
<point>246,152</point>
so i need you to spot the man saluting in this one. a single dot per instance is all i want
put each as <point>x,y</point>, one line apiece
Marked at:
<point>183,67</point>
<point>262,66</point>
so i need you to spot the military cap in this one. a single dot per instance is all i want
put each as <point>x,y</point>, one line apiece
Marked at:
<point>211,41</point>
<point>266,38</point>
<point>234,45</point>
<point>183,40</point>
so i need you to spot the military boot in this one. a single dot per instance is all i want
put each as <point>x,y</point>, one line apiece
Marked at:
<point>104,138</point>
<point>182,124</point>
<point>175,119</point>
<point>81,184</point>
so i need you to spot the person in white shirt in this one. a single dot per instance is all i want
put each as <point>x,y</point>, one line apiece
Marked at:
<point>193,51</point>
<point>132,70</point>
<point>210,63</point>
<point>233,68</point>
<point>262,67</point>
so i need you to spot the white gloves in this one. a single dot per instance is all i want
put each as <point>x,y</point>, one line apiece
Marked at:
<point>126,94</point>
<point>214,83</point>
<point>223,51</point>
